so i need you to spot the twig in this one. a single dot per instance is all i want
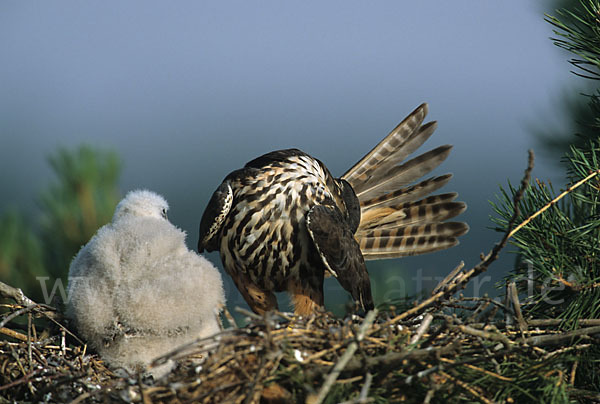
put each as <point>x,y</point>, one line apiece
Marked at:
<point>63,342</point>
<point>514,298</point>
<point>391,360</point>
<point>543,340</point>
<point>29,340</point>
<point>508,315</point>
<point>81,398</point>
<point>481,307</point>
<point>475,392</point>
<point>17,313</point>
<point>421,374</point>
<point>16,294</point>
<point>566,349</point>
<point>575,286</point>
<point>429,395</point>
<point>24,379</point>
<point>13,334</point>
<point>483,334</point>
<point>587,394</point>
<point>553,201</point>
<point>26,375</point>
<point>422,329</point>
<point>343,361</point>
<point>218,389</point>
<point>478,369</point>
<point>248,313</point>
<point>552,322</point>
<point>364,392</point>
<point>448,278</point>
<point>200,342</point>
<point>573,372</point>
<point>493,255</point>
<point>252,389</point>
<point>53,318</point>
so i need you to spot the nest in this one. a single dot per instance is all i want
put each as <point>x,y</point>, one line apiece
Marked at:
<point>459,348</point>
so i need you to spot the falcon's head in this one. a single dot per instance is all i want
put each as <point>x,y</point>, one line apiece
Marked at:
<point>142,203</point>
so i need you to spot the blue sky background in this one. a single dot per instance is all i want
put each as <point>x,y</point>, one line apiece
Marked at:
<point>187,91</point>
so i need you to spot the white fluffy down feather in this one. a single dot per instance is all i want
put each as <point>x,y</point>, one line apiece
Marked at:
<point>136,291</point>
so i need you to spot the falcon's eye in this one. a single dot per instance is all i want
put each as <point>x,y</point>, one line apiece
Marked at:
<point>164,213</point>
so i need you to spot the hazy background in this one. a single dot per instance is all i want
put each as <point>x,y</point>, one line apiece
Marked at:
<point>186,92</point>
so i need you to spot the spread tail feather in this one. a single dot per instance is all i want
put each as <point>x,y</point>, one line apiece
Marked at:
<point>412,246</point>
<point>404,174</point>
<point>410,240</point>
<point>433,209</point>
<point>399,219</point>
<point>388,147</point>
<point>407,194</point>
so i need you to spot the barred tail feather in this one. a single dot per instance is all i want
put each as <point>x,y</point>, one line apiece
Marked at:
<point>433,209</point>
<point>389,146</point>
<point>399,219</point>
<point>391,165</point>
<point>409,246</point>
<point>404,174</point>
<point>407,194</point>
<point>409,240</point>
<point>453,229</point>
<point>413,143</point>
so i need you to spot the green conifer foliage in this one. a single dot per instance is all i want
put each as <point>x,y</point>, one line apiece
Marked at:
<point>576,30</point>
<point>21,258</point>
<point>558,269</point>
<point>82,200</point>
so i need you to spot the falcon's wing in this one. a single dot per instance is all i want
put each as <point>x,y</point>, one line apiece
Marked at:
<point>213,217</point>
<point>340,252</point>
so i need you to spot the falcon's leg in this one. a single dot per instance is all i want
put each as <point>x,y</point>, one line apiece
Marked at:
<point>306,298</point>
<point>260,301</point>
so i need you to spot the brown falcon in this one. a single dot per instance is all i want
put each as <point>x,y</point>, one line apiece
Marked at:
<point>283,222</point>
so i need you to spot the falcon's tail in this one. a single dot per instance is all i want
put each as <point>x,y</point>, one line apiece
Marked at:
<point>399,219</point>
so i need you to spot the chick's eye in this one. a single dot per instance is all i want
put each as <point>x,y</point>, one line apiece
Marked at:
<point>164,213</point>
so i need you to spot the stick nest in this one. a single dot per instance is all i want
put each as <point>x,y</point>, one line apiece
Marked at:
<point>457,349</point>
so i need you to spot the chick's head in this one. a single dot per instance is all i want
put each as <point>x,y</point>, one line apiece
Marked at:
<point>141,203</point>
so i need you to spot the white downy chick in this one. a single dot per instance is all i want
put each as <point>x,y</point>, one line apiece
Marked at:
<point>136,292</point>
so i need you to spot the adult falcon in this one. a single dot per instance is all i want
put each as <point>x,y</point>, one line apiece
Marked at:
<point>283,222</point>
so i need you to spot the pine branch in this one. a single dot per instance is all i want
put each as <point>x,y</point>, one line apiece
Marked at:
<point>553,201</point>
<point>460,279</point>
<point>578,31</point>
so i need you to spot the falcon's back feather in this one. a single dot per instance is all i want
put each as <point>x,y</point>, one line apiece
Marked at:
<point>395,221</point>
